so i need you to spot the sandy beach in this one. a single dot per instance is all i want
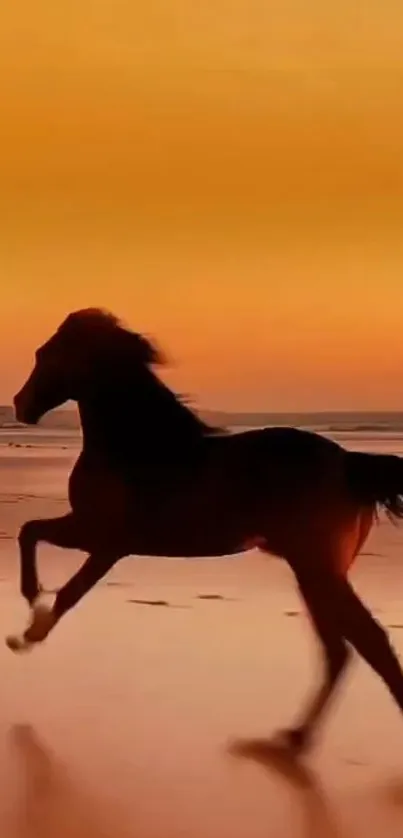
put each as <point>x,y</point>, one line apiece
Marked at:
<point>141,715</point>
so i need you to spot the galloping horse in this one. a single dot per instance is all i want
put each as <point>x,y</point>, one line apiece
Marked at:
<point>153,479</point>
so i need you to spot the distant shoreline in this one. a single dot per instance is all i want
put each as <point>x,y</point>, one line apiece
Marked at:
<point>354,421</point>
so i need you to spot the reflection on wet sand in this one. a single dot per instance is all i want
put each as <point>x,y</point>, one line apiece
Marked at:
<point>48,803</point>
<point>318,818</point>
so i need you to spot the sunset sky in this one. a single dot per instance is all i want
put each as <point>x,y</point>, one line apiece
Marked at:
<point>225,175</point>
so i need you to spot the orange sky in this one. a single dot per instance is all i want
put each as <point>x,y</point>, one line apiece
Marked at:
<point>226,175</point>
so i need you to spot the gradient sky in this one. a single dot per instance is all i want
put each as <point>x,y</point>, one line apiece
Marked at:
<point>225,175</point>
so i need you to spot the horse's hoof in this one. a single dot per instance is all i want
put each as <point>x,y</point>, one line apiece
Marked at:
<point>43,620</point>
<point>17,643</point>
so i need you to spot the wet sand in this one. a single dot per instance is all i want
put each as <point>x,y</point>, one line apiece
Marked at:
<point>142,715</point>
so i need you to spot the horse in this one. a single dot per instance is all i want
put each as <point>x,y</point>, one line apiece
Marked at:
<point>153,479</point>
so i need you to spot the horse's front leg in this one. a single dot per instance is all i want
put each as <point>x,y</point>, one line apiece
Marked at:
<point>44,618</point>
<point>62,532</point>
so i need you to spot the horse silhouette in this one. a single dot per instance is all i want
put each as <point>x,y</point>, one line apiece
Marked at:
<point>154,479</point>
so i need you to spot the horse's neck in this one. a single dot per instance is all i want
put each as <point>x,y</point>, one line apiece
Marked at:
<point>117,418</point>
<point>109,423</point>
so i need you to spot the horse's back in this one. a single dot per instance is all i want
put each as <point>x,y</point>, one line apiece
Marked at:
<point>287,448</point>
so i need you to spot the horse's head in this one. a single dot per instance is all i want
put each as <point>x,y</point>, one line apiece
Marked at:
<point>84,344</point>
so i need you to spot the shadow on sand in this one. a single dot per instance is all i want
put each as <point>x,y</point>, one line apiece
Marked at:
<point>318,819</point>
<point>48,803</point>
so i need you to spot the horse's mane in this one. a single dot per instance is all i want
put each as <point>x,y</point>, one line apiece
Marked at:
<point>134,352</point>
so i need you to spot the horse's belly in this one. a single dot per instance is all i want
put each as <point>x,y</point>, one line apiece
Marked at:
<point>202,525</point>
<point>202,518</point>
<point>178,542</point>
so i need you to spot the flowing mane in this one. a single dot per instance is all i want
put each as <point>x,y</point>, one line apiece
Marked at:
<point>130,357</point>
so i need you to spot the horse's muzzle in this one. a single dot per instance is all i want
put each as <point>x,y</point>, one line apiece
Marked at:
<point>23,412</point>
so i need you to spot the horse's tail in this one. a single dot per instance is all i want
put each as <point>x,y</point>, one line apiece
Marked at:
<point>377,479</point>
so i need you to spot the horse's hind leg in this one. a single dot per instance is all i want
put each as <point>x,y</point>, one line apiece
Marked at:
<point>318,592</point>
<point>358,625</point>
<point>340,617</point>
<point>324,588</point>
<point>370,640</point>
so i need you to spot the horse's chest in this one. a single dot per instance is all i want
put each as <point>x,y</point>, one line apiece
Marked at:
<point>98,494</point>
